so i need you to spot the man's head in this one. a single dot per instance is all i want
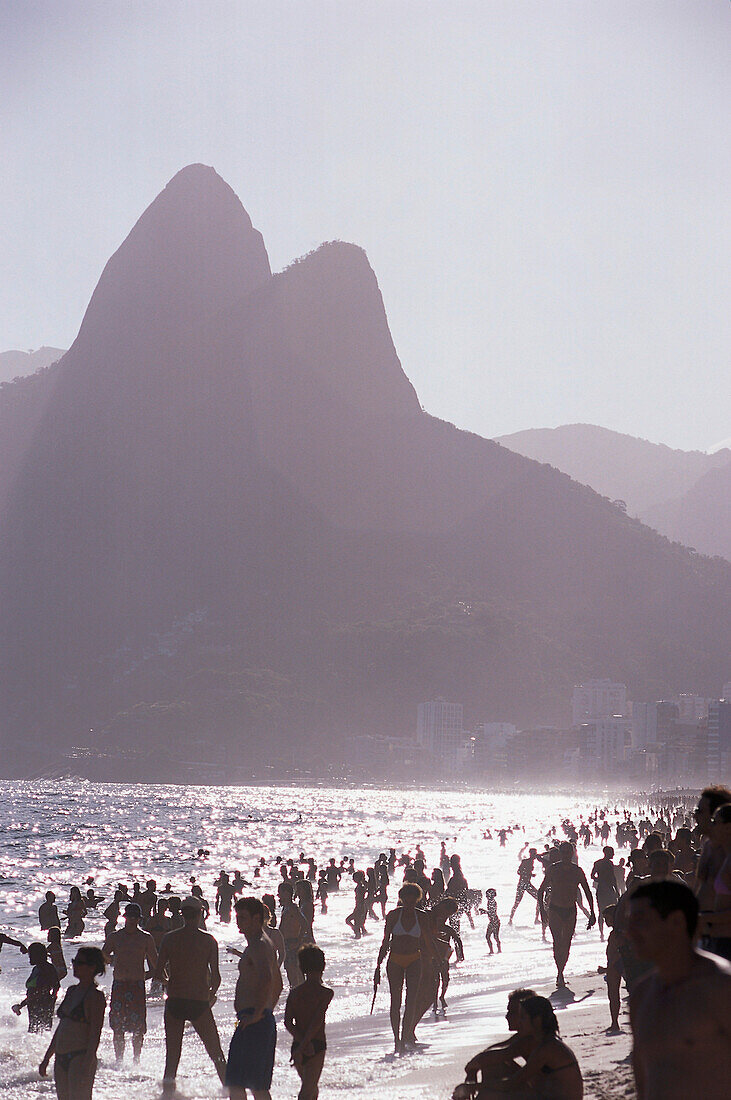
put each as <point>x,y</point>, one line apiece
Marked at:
<point>250,916</point>
<point>151,884</point>
<point>660,863</point>
<point>608,852</point>
<point>132,914</point>
<point>285,893</point>
<point>514,1001</point>
<point>532,852</point>
<point>653,843</point>
<point>50,897</point>
<point>565,851</point>
<point>191,908</point>
<point>662,918</point>
<point>711,798</point>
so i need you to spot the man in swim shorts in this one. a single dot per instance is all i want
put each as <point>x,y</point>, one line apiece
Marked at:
<point>129,949</point>
<point>563,878</point>
<point>191,958</point>
<point>251,1053</point>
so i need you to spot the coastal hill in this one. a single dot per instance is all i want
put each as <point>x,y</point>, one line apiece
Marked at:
<point>234,529</point>
<point>19,364</point>
<point>682,494</point>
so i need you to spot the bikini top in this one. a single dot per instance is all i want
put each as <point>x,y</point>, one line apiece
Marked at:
<point>74,1011</point>
<point>415,931</point>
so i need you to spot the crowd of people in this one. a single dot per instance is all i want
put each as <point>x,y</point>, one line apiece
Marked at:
<point>666,909</point>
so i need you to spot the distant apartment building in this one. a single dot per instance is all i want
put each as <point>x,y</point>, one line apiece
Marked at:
<point>598,699</point>
<point>605,744</point>
<point>490,743</point>
<point>691,708</point>
<point>439,732</point>
<point>719,741</point>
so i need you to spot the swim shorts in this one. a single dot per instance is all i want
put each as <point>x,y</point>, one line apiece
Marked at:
<point>251,1053</point>
<point>128,1007</point>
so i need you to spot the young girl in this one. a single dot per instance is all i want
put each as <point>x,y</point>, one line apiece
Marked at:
<point>304,1018</point>
<point>493,920</point>
<point>41,990</point>
<point>357,918</point>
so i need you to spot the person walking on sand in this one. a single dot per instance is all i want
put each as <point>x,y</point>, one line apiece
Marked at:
<point>563,879</point>
<point>76,1039</point>
<point>304,1019</point>
<point>189,956</point>
<point>128,950</point>
<point>409,944</point>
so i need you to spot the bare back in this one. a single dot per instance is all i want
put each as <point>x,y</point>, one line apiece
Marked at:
<point>192,960</point>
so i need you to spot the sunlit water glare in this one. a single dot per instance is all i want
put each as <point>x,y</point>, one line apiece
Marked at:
<point>54,835</point>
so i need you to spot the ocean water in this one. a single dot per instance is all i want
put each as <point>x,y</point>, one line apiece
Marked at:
<point>53,835</point>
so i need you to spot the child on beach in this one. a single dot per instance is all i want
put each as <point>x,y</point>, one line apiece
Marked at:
<point>41,990</point>
<point>304,1019</point>
<point>493,920</point>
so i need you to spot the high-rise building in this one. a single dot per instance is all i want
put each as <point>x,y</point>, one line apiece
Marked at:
<point>598,699</point>
<point>604,744</point>
<point>439,731</point>
<point>719,741</point>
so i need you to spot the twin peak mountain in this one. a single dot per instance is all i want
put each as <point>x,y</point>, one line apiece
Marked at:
<point>243,453</point>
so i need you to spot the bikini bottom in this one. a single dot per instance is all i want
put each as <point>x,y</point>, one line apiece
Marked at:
<point>405,961</point>
<point>319,1046</point>
<point>63,1061</point>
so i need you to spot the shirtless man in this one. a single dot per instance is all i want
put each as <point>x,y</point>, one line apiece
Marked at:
<point>128,950</point>
<point>295,930</point>
<point>224,898</point>
<point>563,878</point>
<point>190,957</point>
<point>48,913</point>
<point>605,884</point>
<point>712,854</point>
<point>681,1012</point>
<point>259,986</point>
<point>525,886</point>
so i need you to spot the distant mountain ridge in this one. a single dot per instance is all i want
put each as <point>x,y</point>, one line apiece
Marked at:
<point>232,523</point>
<point>679,493</point>
<point>19,364</point>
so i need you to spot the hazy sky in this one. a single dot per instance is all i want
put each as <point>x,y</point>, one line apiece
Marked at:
<point>542,187</point>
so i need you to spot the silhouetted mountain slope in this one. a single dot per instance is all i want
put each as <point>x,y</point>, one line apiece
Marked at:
<point>618,466</point>
<point>651,478</point>
<point>701,517</point>
<point>19,364</point>
<point>23,403</point>
<point>235,506</point>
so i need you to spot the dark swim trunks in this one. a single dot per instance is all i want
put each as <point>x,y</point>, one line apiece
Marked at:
<point>183,1008</point>
<point>251,1053</point>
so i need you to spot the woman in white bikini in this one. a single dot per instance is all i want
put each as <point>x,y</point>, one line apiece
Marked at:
<point>409,944</point>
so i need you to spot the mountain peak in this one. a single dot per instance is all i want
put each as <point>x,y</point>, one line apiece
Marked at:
<point>192,253</point>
